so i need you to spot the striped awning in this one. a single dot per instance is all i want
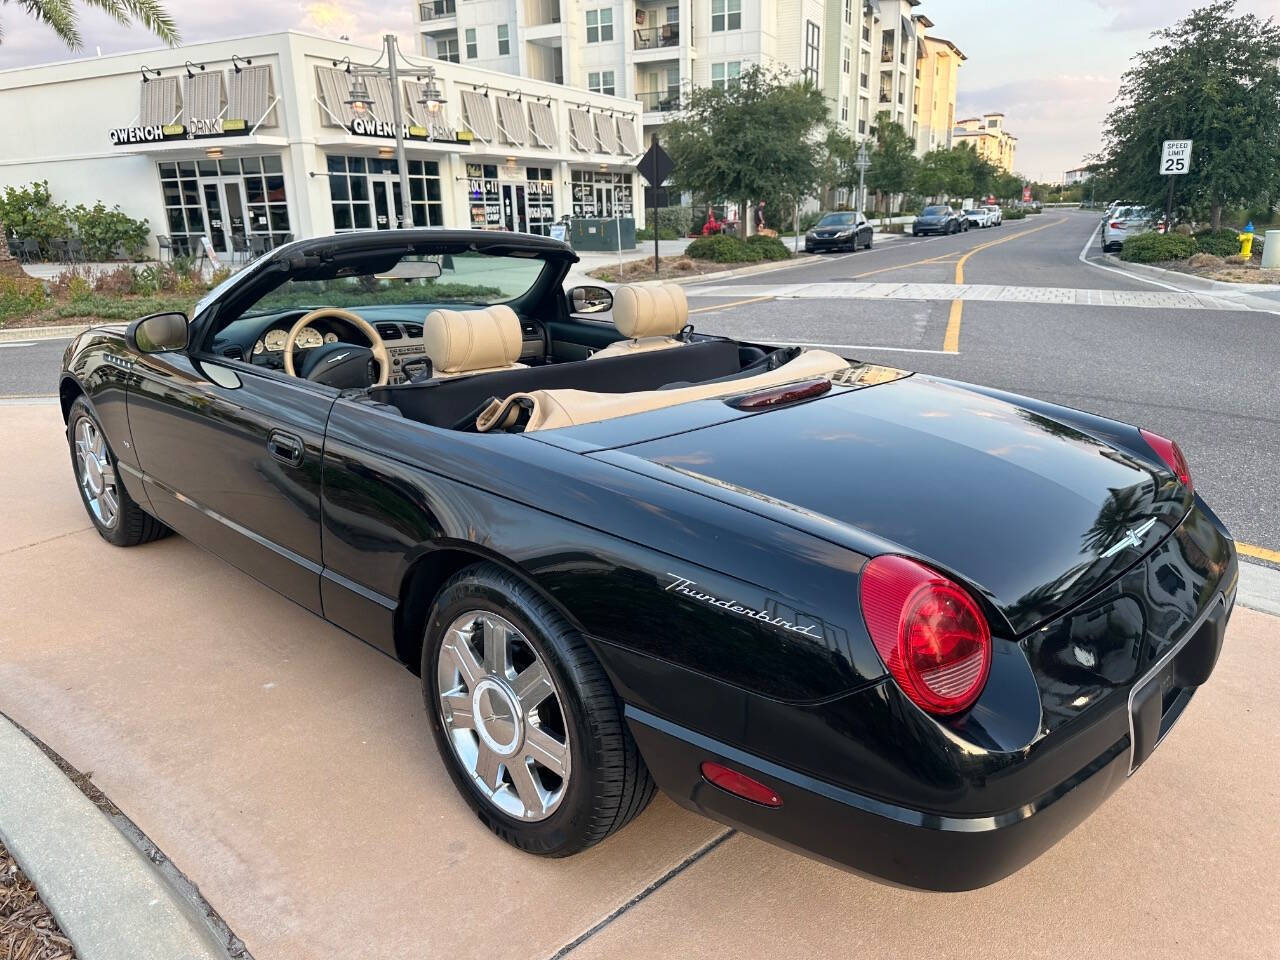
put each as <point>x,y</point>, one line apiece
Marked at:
<point>606,133</point>
<point>627,136</point>
<point>335,88</point>
<point>511,122</point>
<point>544,125</point>
<point>581,136</point>
<point>380,90</point>
<point>479,115</point>
<point>250,93</point>
<point>203,97</point>
<point>160,102</point>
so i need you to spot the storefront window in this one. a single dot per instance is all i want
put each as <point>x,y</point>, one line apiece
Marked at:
<point>365,192</point>
<point>483,195</point>
<point>541,200</point>
<point>598,194</point>
<point>228,200</point>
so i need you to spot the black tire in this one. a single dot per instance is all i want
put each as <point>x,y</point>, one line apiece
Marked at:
<point>870,239</point>
<point>609,784</point>
<point>132,525</point>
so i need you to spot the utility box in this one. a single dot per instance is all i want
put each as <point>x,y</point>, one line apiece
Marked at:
<point>597,233</point>
<point>1271,250</point>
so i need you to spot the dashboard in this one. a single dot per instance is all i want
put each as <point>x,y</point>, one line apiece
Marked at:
<point>260,339</point>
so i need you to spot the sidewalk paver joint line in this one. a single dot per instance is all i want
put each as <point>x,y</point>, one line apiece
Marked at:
<point>644,894</point>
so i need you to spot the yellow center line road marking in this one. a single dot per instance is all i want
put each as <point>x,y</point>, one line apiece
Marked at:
<point>1259,553</point>
<point>951,339</point>
<point>734,303</point>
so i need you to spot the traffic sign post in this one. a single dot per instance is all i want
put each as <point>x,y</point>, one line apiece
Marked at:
<point>1175,160</point>
<point>655,167</point>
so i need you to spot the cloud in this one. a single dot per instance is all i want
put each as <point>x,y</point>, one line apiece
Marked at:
<point>1148,15</point>
<point>1056,119</point>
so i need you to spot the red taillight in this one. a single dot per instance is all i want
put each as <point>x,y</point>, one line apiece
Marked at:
<point>928,631</point>
<point>1116,225</point>
<point>1169,451</point>
<point>740,785</point>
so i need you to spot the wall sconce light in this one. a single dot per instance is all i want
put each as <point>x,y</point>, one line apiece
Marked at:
<point>237,60</point>
<point>149,70</point>
<point>192,67</point>
<point>386,153</point>
<point>213,153</point>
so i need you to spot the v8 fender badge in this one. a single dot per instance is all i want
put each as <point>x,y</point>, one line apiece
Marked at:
<point>686,586</point>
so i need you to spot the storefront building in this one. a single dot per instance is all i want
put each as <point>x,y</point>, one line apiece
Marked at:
<point>250,142</point>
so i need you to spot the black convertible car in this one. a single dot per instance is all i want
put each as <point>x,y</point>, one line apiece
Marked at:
<point>911,626</point>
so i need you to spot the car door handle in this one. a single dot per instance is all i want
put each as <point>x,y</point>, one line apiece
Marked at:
<point>285,447</point>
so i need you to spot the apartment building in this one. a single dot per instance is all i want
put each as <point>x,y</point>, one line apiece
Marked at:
<point>937,78</point>
<point>863,54</point>
<point>988,136</point>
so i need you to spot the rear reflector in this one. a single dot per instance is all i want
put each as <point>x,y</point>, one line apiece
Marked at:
<point>779,396</point>
<point>740,785</point>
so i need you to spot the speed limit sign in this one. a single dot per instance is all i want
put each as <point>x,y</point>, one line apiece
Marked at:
<point>1175,157</point>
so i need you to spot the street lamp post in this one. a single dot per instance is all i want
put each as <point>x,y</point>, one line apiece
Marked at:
<point>360,101</point>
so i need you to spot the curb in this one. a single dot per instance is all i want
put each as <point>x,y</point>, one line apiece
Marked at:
<point>1259,587</point>
<point>1189,283</point>
<point>795,261</point>
<point>43,333</point>
<point>108,898</point>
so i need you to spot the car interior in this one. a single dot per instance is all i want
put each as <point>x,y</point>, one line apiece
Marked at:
<point>536,359</point>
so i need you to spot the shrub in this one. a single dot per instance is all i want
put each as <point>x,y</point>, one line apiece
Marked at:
<point>1155,247</point>
<point>1033,210</point>
<point>108,232</point>
<point>771,248</point>
<point>119,281</point>
<point>664,233</point>
<point>677,220</point>
<point>1221,243</point>
<point>30,211</point>
<point>723,248</point>
<point>809,220</point>
<point>1011,214</point>
<point>20,297</point>
<point>1183,229</point>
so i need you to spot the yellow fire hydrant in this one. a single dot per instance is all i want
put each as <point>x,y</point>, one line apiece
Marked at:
<point>1246,242</point>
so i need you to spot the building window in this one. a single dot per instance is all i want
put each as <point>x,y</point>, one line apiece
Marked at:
<point>726,15</point>
<point>601,194</point>
<point>600,25</point>
<point>473,49</point>
<point>848,12</point>
<point>862,125</point>
<point>447,49</point>
<point>504,40</point>
<point>601,82</point>
<point>812,35</point>
<point>360,188</point>
<point>844,109</point>
<point>725,75</point>
<point>484,195</point>
<point>673,14</point>
<point>540,199</point>
<point>200,199</point>
<point>845,60</point>
<point>673,84</point>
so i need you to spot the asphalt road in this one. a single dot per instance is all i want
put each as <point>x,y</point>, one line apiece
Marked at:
<point>1206,377</point>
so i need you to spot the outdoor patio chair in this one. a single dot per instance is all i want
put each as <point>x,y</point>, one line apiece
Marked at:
<point>75,250</point>
<point>30,250</point>
<point>60,249</point>
<point>239,245</point>
<point>164,245</point>
<point>257,245</point>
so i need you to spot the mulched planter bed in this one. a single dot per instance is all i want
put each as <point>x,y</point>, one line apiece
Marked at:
<point>27,928</point>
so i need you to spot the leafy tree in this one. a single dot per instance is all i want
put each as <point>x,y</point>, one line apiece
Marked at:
<point>753,139</point>
<point>893,159</point>
<point>61,16</point>
<point>835,162</point>
<point>1215,80</point>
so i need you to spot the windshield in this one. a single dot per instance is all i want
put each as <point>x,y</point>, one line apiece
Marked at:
<point>838,220</point>
<point>936,211</point>
<point>1132,213</point>
<point>469,278</point>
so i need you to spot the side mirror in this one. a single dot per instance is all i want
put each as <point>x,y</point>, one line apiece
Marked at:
<point>158,333</point>
<point>590,299</point>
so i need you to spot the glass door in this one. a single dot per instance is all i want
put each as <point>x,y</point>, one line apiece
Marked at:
<point>233,205</point>
<point>218,234</point>
<point>515,214</point>
<point>386,191</point>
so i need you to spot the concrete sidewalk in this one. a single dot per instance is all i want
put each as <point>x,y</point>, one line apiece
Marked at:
<point>287,769</point>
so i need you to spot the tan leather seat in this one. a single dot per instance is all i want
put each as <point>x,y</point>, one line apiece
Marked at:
<point>649,316</point>
<point>463,342</point>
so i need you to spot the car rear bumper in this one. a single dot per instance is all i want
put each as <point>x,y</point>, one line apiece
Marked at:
<point>918,848</point>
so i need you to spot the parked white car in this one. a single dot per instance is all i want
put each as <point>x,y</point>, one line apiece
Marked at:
<point>978,217</point>
<point>1124,222</point>
<point>997,216</point>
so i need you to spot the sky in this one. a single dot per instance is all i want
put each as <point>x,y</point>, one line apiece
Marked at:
<point>1051,66</point>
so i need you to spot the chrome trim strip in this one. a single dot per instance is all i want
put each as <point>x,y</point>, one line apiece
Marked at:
<point>1160,664</point>
<point>380,599</point>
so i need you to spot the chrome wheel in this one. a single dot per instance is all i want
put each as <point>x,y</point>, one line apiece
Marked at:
<point>502,715</point>
<point>96,474</point>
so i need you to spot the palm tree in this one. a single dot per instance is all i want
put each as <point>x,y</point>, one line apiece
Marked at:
<point>62,17</point>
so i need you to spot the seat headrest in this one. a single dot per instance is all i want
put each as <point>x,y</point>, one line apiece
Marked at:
<point>459,341</point>
<point>651,310</point>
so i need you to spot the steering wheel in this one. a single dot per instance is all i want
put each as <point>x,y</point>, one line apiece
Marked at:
<point>376,346</point>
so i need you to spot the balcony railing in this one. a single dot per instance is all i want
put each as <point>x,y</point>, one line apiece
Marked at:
<point>885,97</point>
<point>435,9</point>
<point>651,38</point>
<point>886,55</point>
<point>660,101</point>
